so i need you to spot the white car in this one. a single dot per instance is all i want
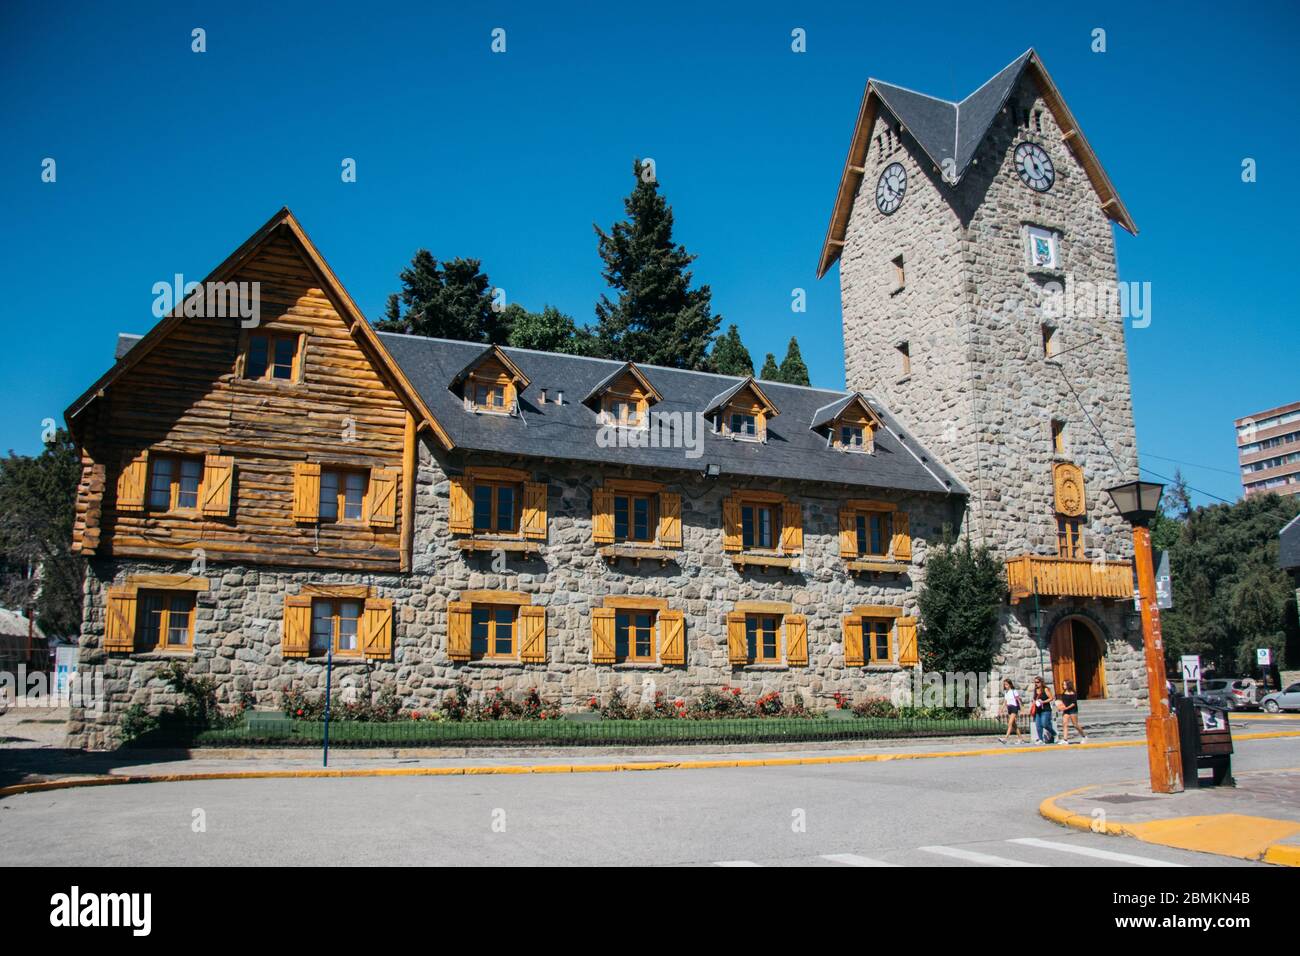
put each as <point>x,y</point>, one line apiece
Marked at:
<point>1280,700</point>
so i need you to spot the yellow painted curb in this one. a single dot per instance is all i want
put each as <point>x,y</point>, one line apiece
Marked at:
<point>1283,854</point>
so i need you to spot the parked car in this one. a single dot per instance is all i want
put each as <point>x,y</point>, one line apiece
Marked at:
<point>1288,699</point>
<point>1240,693</point>
<point>1218,699</point>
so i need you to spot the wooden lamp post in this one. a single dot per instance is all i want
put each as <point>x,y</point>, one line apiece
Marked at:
<point>1138,502</point>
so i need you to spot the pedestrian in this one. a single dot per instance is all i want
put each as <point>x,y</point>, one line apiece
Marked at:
<point>1069,704</point>
<point>1011,706</point>
<point>1041,710</point>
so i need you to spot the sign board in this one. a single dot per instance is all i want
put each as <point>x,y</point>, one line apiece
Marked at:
<point>1263,656</point>
<point>65,670</point>
<point>1211,719</point>
<point>1191,668</point>
<point>1164,583</point>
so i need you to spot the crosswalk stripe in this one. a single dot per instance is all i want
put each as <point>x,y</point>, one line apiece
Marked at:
<point>970,856</point>
<point>852,859</point>
<point>1093,852</point>
<point>735,863</point>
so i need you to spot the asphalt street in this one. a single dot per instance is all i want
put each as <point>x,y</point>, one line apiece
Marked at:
<point>975,811</point>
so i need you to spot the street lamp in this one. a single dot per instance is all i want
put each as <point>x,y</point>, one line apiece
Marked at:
<point>1138,502</point>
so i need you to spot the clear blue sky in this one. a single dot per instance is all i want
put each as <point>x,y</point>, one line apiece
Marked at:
<point>168,159</point>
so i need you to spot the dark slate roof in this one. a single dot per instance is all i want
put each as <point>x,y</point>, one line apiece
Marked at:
<point>952,131</point>
<point>828,413</point>
<point>1289,553</point>
<point>569,431</point>
<point>125,341</point>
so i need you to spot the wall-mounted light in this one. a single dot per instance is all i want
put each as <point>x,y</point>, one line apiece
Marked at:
<point>712,470</point>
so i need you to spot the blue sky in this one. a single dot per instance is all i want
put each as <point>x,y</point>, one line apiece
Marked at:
<point>168,159</point>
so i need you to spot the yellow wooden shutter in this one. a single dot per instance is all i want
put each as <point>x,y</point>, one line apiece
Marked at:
<point>458,630</point>
<point>119,620</point>
<point>461,519</point>
<point>672,637</point>
<point>796,640</point>
<point>532,634</point>
<point>907,651</point>
<point>218,477</point>
<point>295,635</point>
<point>377,629</point>
<point>602,516</point>
<point>848,533</point>
<point>306,491</point>
<point>732,540</point>
<point>534,520</point>
<point>132,481</point>
<point>383,497</point>
<point>901,548</point>
<point>853,641</point>
<point>737,648</point>
<point>791,528</point>
<point>670,520</point>
<point>602,635</point>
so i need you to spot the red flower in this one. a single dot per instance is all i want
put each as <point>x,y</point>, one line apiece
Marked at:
<point>299,711</point>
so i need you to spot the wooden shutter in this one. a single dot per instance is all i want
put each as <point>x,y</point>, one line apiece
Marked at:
<point>532,633</point>
<point>377,629</point>
<point>796,640</point>
<point>461,519</point>
<point>383,497</point>
<point>119,620</point>
<point>672,637</point>
<point>534,520</point>
<point>295,635</point>
<point>791,528</point>
<point>907,641</point>
<point>901,546</point>
<point>458,630</point>
<point>732,540</point>
<point>737,648</point>
<point>848,533</point>
<point>853,641</point>
<point>602,516</point>
<point>602,635</point>
<point>132,481</point>
<point>670,520</point>
<point>306,491</point>
<point>218,476</point>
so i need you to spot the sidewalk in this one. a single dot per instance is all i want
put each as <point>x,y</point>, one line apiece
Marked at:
<point>1258,819</point>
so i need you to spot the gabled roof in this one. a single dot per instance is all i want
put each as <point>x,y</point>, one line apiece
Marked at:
<point>284,220</point>
<point>627,368</point>
<point>950,134</point>
<point>724,398</point>
<point>1289,546</point>
<point>829,413</point>
<point>491,352</point>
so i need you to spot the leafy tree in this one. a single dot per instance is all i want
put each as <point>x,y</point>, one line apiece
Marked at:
<point>960,606</point>
<point>770,372</point>
<point>729,355</point>
<point>548,331</point>
<point>793,371</point>
<point>657,318</point>
<point>37,509</point>
<point>448,301</point>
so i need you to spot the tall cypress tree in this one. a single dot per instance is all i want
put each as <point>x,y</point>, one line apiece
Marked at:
<point>657,318</point>
<point>770,372</point>
<point>448,301</point>
<point>793,371</point>
<point>729,355</point>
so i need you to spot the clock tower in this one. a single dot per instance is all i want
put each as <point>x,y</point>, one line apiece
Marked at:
<point>980,304</point>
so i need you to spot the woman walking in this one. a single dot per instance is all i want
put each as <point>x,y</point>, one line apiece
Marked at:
<point>1011,704</point>
<point>1041,708</point>
<point>1069,704</point>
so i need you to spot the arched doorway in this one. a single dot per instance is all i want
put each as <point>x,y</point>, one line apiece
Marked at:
<point>1079,655</point>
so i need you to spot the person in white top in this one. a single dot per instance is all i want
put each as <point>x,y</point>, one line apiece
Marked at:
<point>1011,708</point>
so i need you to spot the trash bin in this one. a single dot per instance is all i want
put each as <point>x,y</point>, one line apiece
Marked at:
<point>1206,743</point>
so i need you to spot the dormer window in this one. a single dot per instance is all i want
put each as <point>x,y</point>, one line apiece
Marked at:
<point>851,438</point>
<point>742,412</point>
<point>625,412</point>
<point>491,383</point>
<point>623,398</point>
<point>849,424</point>
<point>490,396</point>
<point>744,425</point>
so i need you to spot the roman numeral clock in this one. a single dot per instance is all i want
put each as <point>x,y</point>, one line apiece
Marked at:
<point>890,188</point>
<point>1035,167</point>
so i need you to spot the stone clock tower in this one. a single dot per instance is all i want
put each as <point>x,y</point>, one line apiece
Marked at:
<point>980,303</point>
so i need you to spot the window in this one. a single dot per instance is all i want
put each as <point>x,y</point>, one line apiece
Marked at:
<point>875,638</point>
<point>900,277</point>
<point>174,483</point>
<point>759,526</point>
<point>1069,537</point>
<point>624,412</point>
<point>874,530</point>
<point>272,357</point>
<point>744,425</point>
<point>763,638</point>
<point>634,636</point>
<point>492,632</point>
<point>634,517</point>
<point>904,358</point>
<point>342,495</point>
<point>1042,248</point>
<point>1059,446</point>
<point>165,621</point>
<point>334,626</point>
<point>496,507</point>
<point>852,438</point>
<point>1049,341</point>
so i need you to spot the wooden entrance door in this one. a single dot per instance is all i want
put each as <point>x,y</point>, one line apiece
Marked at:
<point>1089,663</point>
<point>1063,655</point>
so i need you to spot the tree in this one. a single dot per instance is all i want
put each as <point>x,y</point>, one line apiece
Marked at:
<point>658,318</point>
<point>37,510</point>
<point>729,355</point>
<point>448,301</point>
<point>960,606</point>
<point>793,371</point>
<point>770,372</point>
<point>548,331</point>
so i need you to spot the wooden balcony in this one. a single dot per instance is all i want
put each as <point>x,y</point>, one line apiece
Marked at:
<point>1032,574</point>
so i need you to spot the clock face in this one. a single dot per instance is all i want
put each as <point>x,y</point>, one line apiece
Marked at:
<point>1035,167</point>
<point>890,188</point>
